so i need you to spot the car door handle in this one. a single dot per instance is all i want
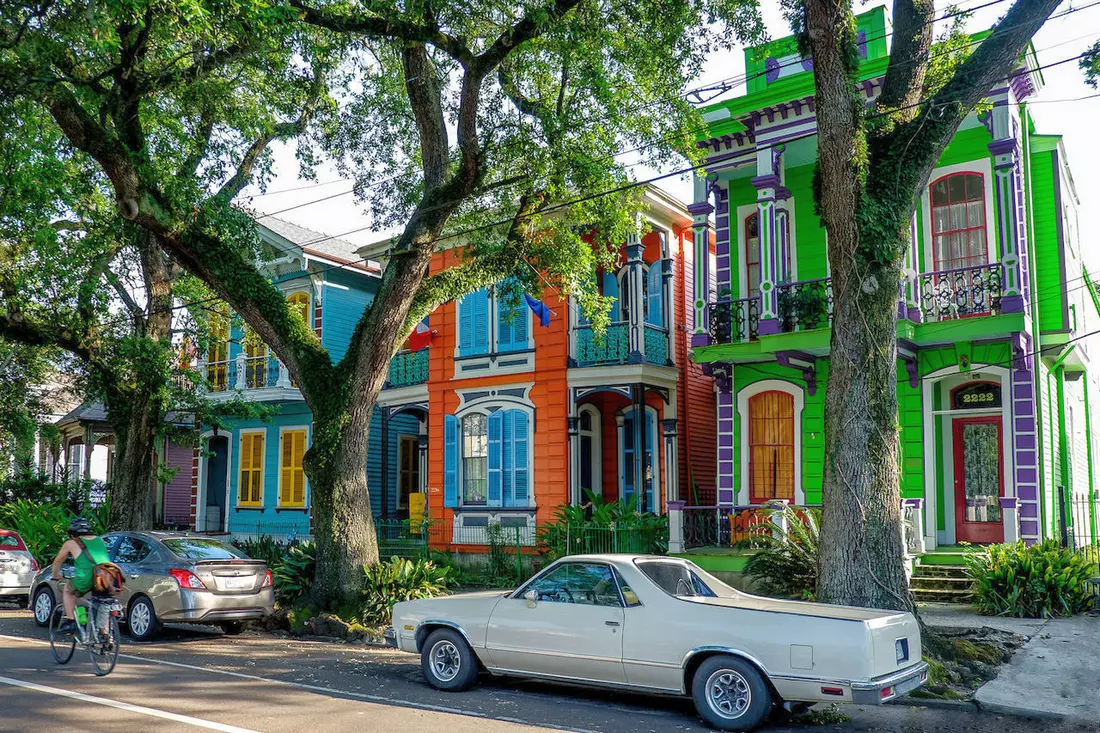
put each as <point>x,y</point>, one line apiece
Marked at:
<point>611,623</point>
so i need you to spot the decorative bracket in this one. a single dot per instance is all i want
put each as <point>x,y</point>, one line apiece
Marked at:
<point>907,352</point>
<point>1021,351</point>
<point>806,363</point>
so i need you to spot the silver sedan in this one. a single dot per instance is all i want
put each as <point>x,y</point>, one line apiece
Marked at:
<point>173,577</point>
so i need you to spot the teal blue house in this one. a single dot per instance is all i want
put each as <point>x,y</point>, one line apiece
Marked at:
<point>247,477</point>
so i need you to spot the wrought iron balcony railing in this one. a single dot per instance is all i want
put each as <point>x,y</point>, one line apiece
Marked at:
<point>408,368</point>
<point>734,321</point>
<point>805,305</point>
<point>961,292</point>
<point>613,348</point>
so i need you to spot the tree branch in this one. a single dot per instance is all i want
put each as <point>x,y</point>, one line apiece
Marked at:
<point>528,27</point>
<point>912,41</point>
<point>136,311</point>
<point>425,99</point>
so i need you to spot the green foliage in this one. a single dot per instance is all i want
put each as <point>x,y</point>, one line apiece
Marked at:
<point>39,488</point>
<point>1090,65</point>
<point>786,564</point>
<point>396,580</point>
<point>294,576</point>
<point>45,527</point>
<point>1041,581</point>
<point>600,526</point>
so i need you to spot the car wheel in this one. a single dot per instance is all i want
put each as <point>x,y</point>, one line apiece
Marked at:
<point>448,662</point>
<point>43,605</point>
<point>141,621</point>
<point>232,628</point>
<point>22,604</point>
<point>730,694</point>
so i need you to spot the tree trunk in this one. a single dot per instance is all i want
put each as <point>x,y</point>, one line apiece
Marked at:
<point>343,524</point>
<point>861,518</point>
<point>132,497</point>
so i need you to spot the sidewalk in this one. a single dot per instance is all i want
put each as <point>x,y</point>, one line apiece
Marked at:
<point>1055,675</point>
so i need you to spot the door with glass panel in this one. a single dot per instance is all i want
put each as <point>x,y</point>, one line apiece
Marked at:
<point>979,479</point>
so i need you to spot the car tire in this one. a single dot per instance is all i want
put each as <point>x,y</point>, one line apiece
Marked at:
<point>730,694</point>
<point>232,628</point>
<point>448,662</point>
<point>141,619</point>
<point>22,604</point>
<point>43,605</point>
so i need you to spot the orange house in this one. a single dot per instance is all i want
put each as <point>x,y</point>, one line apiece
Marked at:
<point>518,418</point>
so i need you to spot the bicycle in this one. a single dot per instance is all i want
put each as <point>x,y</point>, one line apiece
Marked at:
<point>98,635</point>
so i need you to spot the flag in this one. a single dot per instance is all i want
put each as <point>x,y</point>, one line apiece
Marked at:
<point>540,309</point>
<point>421,337</point>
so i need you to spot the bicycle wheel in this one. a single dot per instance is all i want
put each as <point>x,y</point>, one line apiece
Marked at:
<point>62,645</point>
<point>104,650</point>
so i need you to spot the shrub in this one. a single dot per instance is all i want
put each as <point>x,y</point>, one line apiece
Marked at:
<point>396,580</point>
<point>294,576</point>
<point>40,489</point>
<point>44,527</point>
<point>786,563</point>
<point>600,526</point>
<point>1040,581</point>
<point>265,548</point>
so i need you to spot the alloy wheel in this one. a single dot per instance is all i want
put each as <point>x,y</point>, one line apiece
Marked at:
<point>728,693</point>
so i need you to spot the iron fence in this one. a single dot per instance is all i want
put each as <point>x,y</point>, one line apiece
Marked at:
<point>1079,522</point>
<point>727,526</point>
<point>805,305</point>
<point>612,347</point>
<point>734,321</point>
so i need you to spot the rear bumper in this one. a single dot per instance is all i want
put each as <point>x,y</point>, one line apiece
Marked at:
<point>203,607</point>
<point>890,687</point>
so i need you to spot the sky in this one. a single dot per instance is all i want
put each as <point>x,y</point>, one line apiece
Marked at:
<point>1065,106</point>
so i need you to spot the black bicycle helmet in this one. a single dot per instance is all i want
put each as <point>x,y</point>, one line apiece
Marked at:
<point>80,526</point>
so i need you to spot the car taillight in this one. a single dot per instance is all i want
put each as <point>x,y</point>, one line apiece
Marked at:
<point>268,580</point>
<point>186,578</point>
<point>34,565</point>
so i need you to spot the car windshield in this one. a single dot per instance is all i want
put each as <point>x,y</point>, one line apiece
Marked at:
<point>200,548</point>
<point>676,579</point>
<point>10,540</point>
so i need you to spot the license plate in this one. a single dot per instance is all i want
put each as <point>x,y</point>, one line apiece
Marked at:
<point>237,583</point>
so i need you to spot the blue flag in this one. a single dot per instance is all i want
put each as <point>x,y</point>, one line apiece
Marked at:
<point>541,311</point>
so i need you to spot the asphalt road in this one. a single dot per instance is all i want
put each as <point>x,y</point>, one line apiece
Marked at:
<point>258,683</point>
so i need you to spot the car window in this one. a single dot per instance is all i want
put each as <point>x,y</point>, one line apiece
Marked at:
<point>676,579</point>
<point>10,541</point>
<point>629,596</point>
<point>110,541</point>
<point>588,584</point>
<point>132,549</point>
<point>200,548</point>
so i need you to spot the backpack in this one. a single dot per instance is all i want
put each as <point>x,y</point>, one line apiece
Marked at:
<point>107,578</point>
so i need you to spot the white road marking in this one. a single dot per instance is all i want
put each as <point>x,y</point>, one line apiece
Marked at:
<point>321,689</point>
<point>140,709</point>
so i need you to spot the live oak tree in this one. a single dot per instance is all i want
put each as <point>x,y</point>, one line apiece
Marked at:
<point>484,124</point>
<point>872,165</point>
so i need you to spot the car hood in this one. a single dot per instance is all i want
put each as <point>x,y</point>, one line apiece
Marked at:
<point>802,608</point>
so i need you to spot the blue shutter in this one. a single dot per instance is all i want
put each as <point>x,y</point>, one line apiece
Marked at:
<point>494,430</point>
<point>519,325</point>
<point>450,461</point>
<point>508,469</point>
<point>626,457</point>
<point>521,495</point>
<point>481,322</point>
<point>611,290</point>
<point>650,441</point>
<point>656,316</point>
<point>466,325</point>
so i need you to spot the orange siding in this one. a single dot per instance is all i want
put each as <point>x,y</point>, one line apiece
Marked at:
<point>697,410</point>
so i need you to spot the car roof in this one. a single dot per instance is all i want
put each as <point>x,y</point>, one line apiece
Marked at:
<point>616,558</point>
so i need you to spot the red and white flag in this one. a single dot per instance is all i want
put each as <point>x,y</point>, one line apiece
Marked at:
<point>420,338</point>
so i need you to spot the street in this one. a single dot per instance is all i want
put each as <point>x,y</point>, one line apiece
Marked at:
<point>256,682</point>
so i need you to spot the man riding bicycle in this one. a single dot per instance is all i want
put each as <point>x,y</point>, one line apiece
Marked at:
<point>87,551</point>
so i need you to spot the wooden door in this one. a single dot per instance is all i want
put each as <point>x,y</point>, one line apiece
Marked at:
<point>979,479</point>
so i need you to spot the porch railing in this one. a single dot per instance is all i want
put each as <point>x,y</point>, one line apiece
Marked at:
<point>726,526</point>
<point>244,373</point>
<point>656,345</point>
<point>408,368</point>
<point>961,292</point>
<point>734,321</point>
<point>805,305</point>
<point>1079,522</point>
<point>613,348</point>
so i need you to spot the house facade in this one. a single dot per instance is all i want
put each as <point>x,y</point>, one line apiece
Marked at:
<point>995,382</point>
<point>247,476</point>
<point>518,418</point>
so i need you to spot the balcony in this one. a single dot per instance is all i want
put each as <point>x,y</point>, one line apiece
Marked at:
<point>614,346</point>
<point>962,292</point>
<point>806,305</point>
<point>408,368</point>
<point>258,377</point>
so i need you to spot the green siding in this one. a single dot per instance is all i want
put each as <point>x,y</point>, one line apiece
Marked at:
<point>1048,280</point>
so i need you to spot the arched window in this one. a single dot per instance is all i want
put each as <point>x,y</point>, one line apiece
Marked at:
<point>771,447</point>
<point>300,302</point>
<point>752,254</point>
<point>958,221</point>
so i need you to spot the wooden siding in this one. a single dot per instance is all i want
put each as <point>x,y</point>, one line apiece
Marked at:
<point>177,492</point>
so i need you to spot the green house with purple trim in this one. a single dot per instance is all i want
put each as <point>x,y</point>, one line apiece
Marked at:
<point>995,316</point>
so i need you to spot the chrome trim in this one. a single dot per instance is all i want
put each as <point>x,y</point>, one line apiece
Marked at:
<point>585,680</point>
<point>892,679</point>
<point>390,636</point>
<point>439,622</point>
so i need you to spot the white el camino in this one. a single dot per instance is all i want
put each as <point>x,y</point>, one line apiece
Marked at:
<point>664,625</point>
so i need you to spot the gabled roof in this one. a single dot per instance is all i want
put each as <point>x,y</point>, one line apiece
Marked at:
<point>292,239</point>
<point>91,411</point>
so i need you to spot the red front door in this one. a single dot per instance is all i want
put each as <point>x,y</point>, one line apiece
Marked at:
<point>979,479</point>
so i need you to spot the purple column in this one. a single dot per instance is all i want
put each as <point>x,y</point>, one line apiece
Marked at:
<point>726,464</point>
<point>1025,450</point>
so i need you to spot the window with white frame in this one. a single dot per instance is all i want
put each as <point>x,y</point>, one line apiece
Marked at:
<point>486,457</point>
<point>490,322</point>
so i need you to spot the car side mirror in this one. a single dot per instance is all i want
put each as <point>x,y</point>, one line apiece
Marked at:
<point>531,598</point>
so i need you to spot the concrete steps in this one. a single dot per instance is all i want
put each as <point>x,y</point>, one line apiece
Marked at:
<point>942,583</point>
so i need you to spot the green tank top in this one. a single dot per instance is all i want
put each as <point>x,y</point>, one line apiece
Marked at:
<point>94,553</point>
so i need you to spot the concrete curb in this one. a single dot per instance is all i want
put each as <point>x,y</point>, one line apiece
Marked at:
<point>1021,712</point>
<point>968,706</point>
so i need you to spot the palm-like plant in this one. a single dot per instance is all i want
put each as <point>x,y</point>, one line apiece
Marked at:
<point>786,564</point>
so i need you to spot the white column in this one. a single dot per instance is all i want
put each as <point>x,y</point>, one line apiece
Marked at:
<point>700,212</point>
<point>778,517</point>
<point>672,467</point>
<point>634,250</point>
<point>240,368</point>
<point>573,425</point>
<point>284,375</point>
<point>675,527</point>
<point>1010,516</point>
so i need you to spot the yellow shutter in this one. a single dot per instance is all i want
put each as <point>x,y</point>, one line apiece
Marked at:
<point>292,478</point>
<point>250,492</point>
